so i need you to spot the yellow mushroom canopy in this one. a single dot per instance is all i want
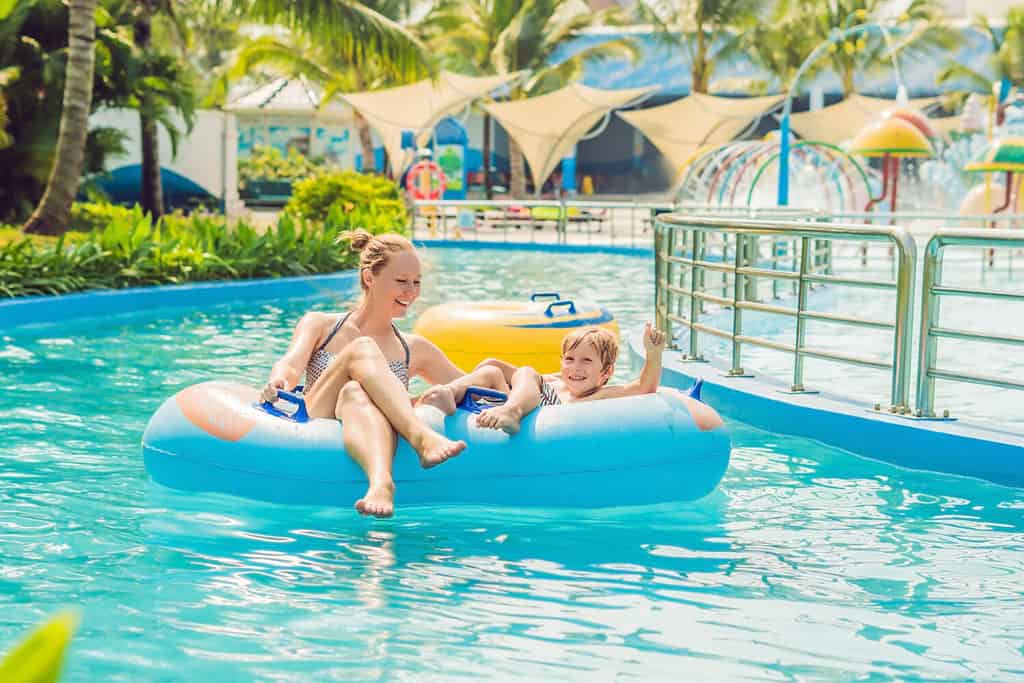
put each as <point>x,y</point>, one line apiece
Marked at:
<point>1002,155</point>
<point>893,136</point>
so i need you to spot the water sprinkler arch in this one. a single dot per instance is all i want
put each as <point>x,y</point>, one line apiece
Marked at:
<point>835,149</point>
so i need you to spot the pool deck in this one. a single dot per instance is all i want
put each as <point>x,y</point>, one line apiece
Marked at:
<point>936,445</point>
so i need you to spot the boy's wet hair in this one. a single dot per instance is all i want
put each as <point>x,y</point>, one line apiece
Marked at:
<point>603,340</point>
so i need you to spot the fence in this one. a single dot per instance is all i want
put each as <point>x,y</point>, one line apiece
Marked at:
<point>932,291</point>
<point>680,265</point>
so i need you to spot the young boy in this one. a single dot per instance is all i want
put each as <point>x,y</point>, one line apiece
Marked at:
<point>588,360</point>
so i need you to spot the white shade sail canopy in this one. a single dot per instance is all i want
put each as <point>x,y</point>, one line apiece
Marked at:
<point>546,127</point>
<point>842,121</point>
<point>678,129</point>
<point>418,107</point>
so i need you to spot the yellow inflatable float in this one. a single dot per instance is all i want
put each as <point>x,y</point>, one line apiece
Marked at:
<point>520,332</point>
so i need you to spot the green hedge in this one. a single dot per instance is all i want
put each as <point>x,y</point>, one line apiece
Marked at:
<point>130,251</point>
<point>267,163</point>
<point>347,196</point>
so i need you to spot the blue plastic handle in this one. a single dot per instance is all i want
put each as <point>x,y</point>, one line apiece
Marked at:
<point>545,295</point>
<point>471,406</point>
<point>565,302</point>
<point>300,414</point>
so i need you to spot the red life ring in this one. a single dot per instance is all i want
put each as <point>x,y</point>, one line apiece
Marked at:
<point>425,180</point>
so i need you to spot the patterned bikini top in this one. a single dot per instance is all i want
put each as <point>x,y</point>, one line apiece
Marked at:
<point>320,359</point>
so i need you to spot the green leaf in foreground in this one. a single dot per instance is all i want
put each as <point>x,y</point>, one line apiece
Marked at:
<point>39,657</point>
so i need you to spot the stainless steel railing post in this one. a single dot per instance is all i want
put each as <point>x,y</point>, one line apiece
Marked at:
<point>801,321</point>
<point>736,369</point>
<point>696,280</point>
<point>660,292</point>
<point>906,259</point>
<point>928,345</point>
<point>669,249</point>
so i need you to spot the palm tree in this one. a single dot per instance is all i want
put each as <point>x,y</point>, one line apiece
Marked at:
<point>54,210</point>
<point>707,30</point>
<point>1007,56</point>
<point>300,54</point>
<point>927,36</point>
<point>779,45</point>
<point>355,30</point>
<point>507,36</point>
<point>6,76</point>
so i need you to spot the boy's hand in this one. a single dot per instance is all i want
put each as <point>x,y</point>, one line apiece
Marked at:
<point>654,339</point>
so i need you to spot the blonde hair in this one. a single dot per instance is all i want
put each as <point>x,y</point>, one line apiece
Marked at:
<point>603,340</point>
<point>374,250</point>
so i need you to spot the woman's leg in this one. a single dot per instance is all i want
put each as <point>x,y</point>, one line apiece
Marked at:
<point>370,441</point>
<point>523,398</point>
<point>363,361</point>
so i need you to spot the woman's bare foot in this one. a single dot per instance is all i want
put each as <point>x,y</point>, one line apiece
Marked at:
<point>434,448</point>
<point>441,397</point>
<point>379,500</point>
<point>505,417</point>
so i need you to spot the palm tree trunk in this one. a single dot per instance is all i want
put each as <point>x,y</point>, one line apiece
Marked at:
<point>53,214</point>
<point>487,156</point>
<point>366,142</point>
<point>152,189</point>
<point>848,84</point>
<point>516,170</point>
<point>699,71</point>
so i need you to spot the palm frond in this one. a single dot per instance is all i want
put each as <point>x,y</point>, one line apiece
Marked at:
<point>356,31</point>
<point>279,55</point>
<point>976,82</point>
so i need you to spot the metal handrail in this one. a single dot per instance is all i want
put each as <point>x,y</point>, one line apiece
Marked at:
<point>932,290</point>
<point>640,214</point>
<point>934,216</point>
<point>689,285</point>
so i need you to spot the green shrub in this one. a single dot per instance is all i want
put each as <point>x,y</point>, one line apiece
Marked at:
<point>267,163</point>
<point>348,197</point>
<point>89,216</point>
<point>130,251</point>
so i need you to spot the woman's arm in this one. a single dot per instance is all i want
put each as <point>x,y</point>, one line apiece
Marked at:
<point>429,362</point>
<point>287,371</point>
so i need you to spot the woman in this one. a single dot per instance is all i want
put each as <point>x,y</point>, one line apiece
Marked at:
<point>357,366</point>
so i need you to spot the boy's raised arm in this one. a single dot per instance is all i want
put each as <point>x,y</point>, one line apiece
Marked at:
<point>650,374</point>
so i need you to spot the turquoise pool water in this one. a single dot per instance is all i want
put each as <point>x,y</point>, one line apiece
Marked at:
<point>806,564</point>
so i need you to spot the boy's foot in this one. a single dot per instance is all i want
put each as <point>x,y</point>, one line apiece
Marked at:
<point>441,397</point>
<point>434,449</point>
<point>379,501</point>
<point>506,418</point>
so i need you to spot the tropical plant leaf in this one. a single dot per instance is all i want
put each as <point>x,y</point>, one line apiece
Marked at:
<point>38,658</point>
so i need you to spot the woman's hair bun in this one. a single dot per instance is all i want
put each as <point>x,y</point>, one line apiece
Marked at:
<point>357,239</point>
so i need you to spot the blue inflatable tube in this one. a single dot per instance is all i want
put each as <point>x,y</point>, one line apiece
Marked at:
<point>639,450</point>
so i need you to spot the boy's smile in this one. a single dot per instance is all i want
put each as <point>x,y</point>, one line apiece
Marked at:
<point>582,372</point>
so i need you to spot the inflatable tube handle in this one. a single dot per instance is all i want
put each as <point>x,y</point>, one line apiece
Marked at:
<point>471,406</point>
<point>545,295</point>
<point>300,414</point>
<point>564,302</point>
<point>694,391</point>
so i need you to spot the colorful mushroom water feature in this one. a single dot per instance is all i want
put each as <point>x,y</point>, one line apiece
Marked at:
<point>1004,155</point>
<point>896,135</point>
